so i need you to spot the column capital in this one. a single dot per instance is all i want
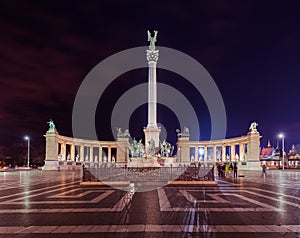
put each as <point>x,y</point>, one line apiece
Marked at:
<point>152,56</point>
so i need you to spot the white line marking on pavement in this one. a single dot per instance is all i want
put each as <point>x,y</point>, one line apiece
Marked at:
<point>166,206</point>
<point>36,190</point>
<point>191,198</point>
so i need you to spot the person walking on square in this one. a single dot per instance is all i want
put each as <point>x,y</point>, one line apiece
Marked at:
<point>223,170</point>
<point>230,169</point>
<point>219,169</point>
<point>227,170</point>
<point>235,169</point>
<point>264,169</point>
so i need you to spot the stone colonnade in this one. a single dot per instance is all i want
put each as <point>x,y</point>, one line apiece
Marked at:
<point>85,152</point>
<point>62,148</point>
<point>244,148</point>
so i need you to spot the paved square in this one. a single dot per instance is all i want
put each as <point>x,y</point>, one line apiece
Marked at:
<point>53,204</point>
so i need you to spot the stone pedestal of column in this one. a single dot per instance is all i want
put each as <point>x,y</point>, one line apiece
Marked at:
<point>253,146</point>
<point>253,162</point>
<point>151,133</point>
<point>122,150</point>
<point>183,152</point>
<point>51,156</point>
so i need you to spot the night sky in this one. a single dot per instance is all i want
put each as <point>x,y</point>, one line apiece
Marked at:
<point>250,48</point>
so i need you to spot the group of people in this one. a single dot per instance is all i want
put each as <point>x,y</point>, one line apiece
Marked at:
<point>226,169</point>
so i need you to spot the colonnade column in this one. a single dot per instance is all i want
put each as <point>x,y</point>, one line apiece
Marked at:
<point>109,154</point>
<point>205,154</point>
<point>72,152</point>
<point>81,155</point>
<point>63,151</point>
<point>214,152</point>
<point>223,152</point>
<point>197,154</point>
<point>100,154</point>
<point>91,153</point>
<point>232,152</point>
<point>242,151</point>
<point>96,156</point>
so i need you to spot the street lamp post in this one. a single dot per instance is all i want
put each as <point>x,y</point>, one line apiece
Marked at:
<point>282,137</point>
<point>28,149</point>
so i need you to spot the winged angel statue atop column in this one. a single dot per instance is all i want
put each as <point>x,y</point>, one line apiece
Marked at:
<point>152,40</point>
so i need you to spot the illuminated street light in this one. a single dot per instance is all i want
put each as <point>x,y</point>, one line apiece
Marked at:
<point>282,137</point>
<point>28,149</point>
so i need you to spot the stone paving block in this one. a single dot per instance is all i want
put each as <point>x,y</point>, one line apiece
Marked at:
<point>63,229</point>
<point>45,229</point>
<point>187,228</point>
<point>295,228</point>
<point>82,229</point>
<point>259,228</point>
<point>100,228</point>
<point>226,228</point>
<point>171,228</point>
<point>136,228</point>
<point>198,229</point>
<point>241,228</point>
<point>276,228</point>
<point>154,228</point>
<point>28,230</point>
<point>118,228</point>
<point>209,229</point>
<point>10,229</point>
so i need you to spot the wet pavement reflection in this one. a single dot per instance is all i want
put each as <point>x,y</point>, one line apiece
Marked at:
<point>53,204</point>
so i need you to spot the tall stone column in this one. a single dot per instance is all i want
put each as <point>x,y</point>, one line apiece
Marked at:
<point>152,131</point>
